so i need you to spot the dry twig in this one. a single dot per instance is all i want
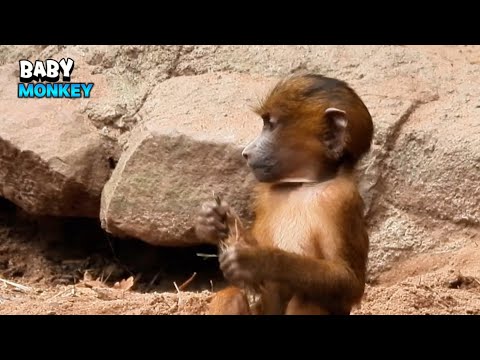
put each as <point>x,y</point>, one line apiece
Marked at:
<point>150,284</point>
<point>15,285</point>
<point>187,282</point>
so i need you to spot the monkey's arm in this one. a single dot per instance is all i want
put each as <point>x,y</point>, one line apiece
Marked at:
<point>315,278</point>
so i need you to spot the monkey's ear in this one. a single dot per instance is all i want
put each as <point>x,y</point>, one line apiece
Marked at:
<point>337,124</point>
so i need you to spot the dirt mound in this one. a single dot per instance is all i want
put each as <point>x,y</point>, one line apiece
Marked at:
<point>447,283</point>
<point>66,266</point>
<point>70,300</point>
<point>452,289</point>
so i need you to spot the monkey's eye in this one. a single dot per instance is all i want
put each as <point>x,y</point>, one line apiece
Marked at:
<point>268,121</point>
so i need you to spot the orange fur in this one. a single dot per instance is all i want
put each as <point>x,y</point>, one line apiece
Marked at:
<point>320,221</point>
<point>229,301</point>
<point>288,100</point>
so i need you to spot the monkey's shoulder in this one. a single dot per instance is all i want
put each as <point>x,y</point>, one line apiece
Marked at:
<point>339,193</point>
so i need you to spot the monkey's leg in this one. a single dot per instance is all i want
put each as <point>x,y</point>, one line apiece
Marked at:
<point>328,281</point>
<point>299,305</point>
<point>229,301</point>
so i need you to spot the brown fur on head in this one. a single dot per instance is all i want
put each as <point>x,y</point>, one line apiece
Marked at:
<point>312,125</point>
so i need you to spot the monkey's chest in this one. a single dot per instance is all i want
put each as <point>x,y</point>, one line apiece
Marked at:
<point>293,232</point>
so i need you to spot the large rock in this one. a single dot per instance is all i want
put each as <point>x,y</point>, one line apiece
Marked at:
<point>435,165</point>
<point>393,233</point>
<point>124,77</point>
<point>421,181</point>
<point>52,160</point>
<point>359,64</point>
<point>189,146</point>
<point>398,235</point>
<point>388,115</point>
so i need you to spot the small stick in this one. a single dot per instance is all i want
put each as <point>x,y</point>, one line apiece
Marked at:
<point>150,284</point>
<point>223,246</point>
<point>236,231</point>
<point>58,294</point>
<point>176,287</point>
<point>217,198</point>
<point>15,285</point>
<point>207,255</point>
<point>108,277</point>
<point>186,283</point>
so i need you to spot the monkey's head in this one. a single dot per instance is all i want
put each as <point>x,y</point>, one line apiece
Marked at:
<point>312,125</point>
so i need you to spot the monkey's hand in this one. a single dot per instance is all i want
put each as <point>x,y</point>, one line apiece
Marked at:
<point>211,222</point>
<point>236,231</point>
<point>243,265</point>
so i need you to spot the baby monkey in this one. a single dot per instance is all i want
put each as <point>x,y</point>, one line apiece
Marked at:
<point>307,250</point>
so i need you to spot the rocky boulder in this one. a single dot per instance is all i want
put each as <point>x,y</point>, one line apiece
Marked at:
<point>188,146</point>
<point>52,160</point>
<point>435,166</point>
